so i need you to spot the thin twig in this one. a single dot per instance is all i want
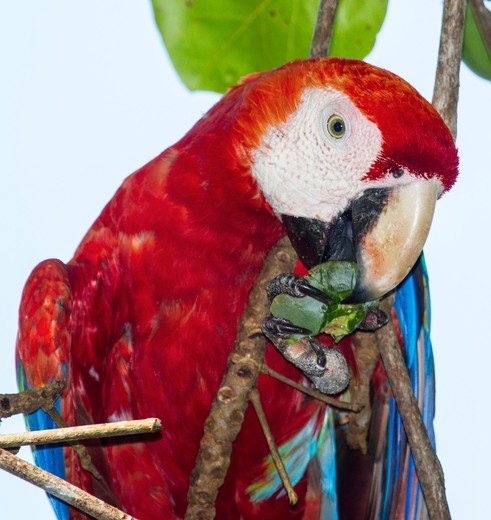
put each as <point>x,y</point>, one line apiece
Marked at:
<point>446,90</point>
<point>428,467</point>
<point>29,401</point>
<point>81,451</point>
<point>60,488</point>
<point>324,24</point>
<point>280,467</point>
<point>483,22</point>
<point>227,412</point>
<point>78,433</point>
<point>336,403</point>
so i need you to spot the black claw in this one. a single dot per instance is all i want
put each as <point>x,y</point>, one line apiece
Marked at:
<point>374,319</point>
<point>282,328</point>
<point>309,290</point>
<point>319,352</point>
<point>296,286</point>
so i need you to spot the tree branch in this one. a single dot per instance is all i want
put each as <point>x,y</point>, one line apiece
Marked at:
<point>324,24</point>
<point>228,408</point>
<point>80,449</point>
<point>428,467</point>
<point>445,99</point>
<point>446,90</point>
<point>78,433</point>
<point>60,488</point>
<point>280,467</point>
<point>323,398</point>
<point>29,401</point>
<point>367,354</point>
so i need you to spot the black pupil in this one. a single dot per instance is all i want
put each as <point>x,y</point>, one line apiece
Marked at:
<point>338,127</point>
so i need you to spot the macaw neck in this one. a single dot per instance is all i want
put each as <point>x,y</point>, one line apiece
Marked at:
<point>225,222</point>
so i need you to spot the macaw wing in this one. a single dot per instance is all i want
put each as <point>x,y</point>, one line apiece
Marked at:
<point>44,343</point>
<point>43,346</point>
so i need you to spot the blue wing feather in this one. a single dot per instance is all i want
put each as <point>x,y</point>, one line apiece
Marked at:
<point>48,457</point>
<point>413,312</point>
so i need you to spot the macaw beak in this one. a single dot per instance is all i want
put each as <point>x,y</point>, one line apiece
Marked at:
<point>383,230</point>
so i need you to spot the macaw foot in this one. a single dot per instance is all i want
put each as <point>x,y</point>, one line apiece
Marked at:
<point>323,365</point>
<point>295,285</point>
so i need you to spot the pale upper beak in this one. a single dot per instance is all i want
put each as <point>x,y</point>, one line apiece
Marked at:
<point>383,230</point>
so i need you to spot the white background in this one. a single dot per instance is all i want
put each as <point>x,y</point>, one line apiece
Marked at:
<point>87,95</point>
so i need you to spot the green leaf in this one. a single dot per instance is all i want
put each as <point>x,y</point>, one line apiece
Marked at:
<point>335,278</point>
<point>303,312</point>
<point>343,319</point>
<point>213,43</point>
<point>474,52</point>
<point>357,25</point>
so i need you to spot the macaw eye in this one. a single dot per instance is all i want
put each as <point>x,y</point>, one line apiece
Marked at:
<point>336,126</point>
<point>398,173</point>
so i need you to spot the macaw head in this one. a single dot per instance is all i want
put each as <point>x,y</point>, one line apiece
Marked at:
<point>351,159</point>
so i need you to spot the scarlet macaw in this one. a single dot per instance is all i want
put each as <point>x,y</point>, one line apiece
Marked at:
<point>346,158</point>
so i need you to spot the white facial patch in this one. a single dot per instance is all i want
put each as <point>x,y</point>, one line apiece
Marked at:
<point>305,171</point>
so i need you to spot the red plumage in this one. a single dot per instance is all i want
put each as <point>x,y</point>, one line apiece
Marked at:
<point>142,319</point>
